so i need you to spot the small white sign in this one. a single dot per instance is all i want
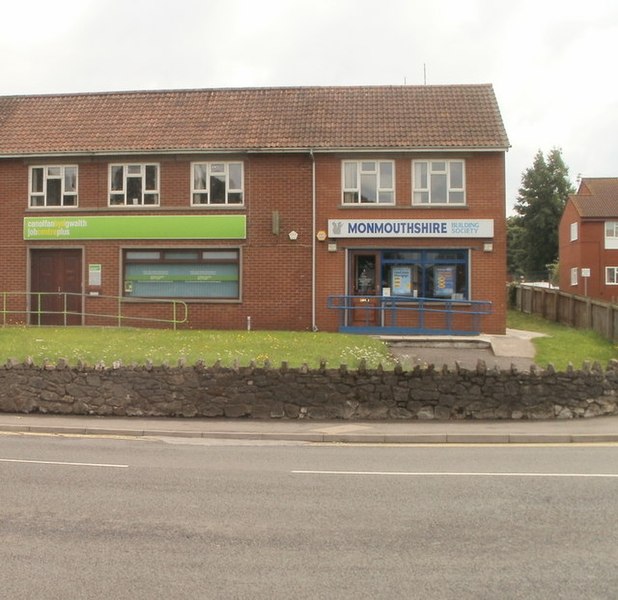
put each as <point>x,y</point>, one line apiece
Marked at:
<point>585,272</point>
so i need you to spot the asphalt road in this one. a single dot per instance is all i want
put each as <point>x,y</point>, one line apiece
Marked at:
<point>173,518</point>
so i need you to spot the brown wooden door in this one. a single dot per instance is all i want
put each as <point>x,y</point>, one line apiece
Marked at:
<point>56,286</point>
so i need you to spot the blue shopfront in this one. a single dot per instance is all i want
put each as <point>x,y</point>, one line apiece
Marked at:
<point>414,288</point>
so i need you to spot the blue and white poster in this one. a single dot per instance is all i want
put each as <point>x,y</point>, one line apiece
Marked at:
<point>444,281</point>
<point>402,281</point>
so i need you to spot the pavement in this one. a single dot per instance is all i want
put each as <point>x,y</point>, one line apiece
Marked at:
<point>514,348</point>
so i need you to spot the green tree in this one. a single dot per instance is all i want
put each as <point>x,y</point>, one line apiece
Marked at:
<point>515,254</point>
<point>544,190</point>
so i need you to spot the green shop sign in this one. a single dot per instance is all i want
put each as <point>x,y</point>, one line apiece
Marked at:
<point>133,227</point>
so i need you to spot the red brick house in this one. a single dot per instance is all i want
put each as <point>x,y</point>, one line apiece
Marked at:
<point>319,208</point>
<point>588,239</point>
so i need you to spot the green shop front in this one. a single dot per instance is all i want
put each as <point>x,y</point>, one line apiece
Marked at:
<point>125,269</point>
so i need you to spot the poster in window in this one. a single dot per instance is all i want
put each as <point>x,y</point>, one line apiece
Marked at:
<point>402,281</point>
<point>444,281</point>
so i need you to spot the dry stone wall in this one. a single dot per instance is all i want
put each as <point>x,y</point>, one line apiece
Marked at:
<point>302,393</point>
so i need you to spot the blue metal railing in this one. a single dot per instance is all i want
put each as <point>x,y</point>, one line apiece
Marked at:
<point>407,315</point>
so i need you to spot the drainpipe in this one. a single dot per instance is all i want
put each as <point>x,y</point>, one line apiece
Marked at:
<point>314,326</point>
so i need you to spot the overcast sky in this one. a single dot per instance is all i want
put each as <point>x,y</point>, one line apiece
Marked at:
<point>552,63</point>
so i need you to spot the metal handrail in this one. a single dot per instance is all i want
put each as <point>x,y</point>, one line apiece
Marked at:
<point>369,305</point>
<point>180,309</point>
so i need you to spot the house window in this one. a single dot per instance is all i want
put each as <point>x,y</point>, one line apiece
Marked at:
<point>574,276</point>
<point>133,185</point>
<point>611,275</point>
<point>368,182</point>
<point>611,235</point>
<point>217,183</point>
<point>574,233</point>
<point>182,273</point>
<point>438,182</point>
<point>53,186</point>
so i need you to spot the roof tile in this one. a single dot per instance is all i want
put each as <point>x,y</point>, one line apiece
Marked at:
<point>393,117</point>
<point>597,197</point>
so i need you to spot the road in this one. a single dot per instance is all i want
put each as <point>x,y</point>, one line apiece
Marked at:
<point>85,517</point>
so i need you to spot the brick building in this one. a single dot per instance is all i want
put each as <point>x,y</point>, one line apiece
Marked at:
<point>325,208</point>
<point>588,239</point>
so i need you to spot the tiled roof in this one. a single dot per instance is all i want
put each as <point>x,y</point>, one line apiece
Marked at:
<point>597,197</point>
<point>321,118</point>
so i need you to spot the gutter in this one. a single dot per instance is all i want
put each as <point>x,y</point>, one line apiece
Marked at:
<point>209,151</point>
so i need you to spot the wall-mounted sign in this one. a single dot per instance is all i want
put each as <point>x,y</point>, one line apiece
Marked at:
<point>94,275</point>
<point>410,228</point>
<point>137,227</point>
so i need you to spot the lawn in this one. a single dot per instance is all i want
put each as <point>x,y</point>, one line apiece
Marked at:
<point>563,345</point>
<point>92,345</point>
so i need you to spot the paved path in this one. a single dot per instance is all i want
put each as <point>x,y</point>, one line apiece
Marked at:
<point>599,429</point>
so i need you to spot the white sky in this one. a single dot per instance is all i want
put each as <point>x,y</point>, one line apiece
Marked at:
<point>552,62</point>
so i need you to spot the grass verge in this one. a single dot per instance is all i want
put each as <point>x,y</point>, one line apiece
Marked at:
<point>563,345</point>
<point>138,346</point>
<point>91,345</point>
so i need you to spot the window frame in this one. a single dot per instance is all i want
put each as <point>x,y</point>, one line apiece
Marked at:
<point>195,191</point>
<point>418,189</point>
<point>574,231</point>
<point>574,276</point>
<point>380,187</point>
<point>608,270</point>
<point>424,263</point>
<point>44,193</point>
<point>610,235</point>
<point>172,256</point>
<point>145,191</point>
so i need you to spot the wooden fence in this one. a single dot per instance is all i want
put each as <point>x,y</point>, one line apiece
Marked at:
<point>580,312</point>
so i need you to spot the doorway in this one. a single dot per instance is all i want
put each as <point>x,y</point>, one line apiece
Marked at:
<point>56,287</point>
<point>364,287</point>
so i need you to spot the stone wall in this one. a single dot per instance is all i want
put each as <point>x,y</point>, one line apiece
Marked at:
<point>285,393</point>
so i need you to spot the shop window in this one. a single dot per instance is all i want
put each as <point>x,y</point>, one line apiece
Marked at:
<point>611,275</point>
<point>368,182</point>
<point>53,186</point>
<point>133,185</point>
<point>217,183</point>
<point>438,182</point>
<point>440,274</point>
<point>182,273</point>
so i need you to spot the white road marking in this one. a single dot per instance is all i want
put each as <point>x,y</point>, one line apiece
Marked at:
<point>66,464</point>
<point>455,474</point>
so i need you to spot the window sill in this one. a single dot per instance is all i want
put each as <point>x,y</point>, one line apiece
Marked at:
<point>144,300</point>
<point>441,206</point>
<point>217,207</point>
<point>369,205</point>
<point>408,207</point>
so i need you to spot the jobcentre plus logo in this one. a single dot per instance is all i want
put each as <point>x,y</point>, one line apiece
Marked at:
<point>411,228</point>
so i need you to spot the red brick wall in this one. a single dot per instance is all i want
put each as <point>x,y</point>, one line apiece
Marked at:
<point>588,251</point>
<point>485,192</point>
<point>276,271</point>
